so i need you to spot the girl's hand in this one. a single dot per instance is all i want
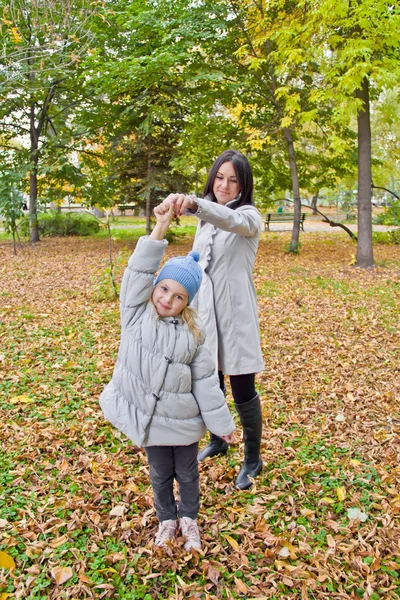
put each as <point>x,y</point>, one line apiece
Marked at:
<point>180,202</point>
<point>164,214</point>
<point>229,438</point>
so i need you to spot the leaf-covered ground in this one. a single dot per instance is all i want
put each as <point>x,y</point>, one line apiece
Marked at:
<point>322,521</point>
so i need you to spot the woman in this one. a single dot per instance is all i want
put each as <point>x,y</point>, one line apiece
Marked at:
<point>227,240</point>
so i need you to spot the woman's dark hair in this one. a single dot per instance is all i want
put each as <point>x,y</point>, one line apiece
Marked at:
<point>243,173</point>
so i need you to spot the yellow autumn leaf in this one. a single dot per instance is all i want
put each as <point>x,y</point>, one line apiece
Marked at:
<point>355,462</point>
<point>131,486</point>
<point>341,493</point>
<point>15,35</point>
<point>232,542</point>
<point>61,574</point>
<point>306,512</point>
<point>4,596</point>
<point>180,581</point>
<point>22,399</point>
<point>291,549</point>
<point>70,364</point>
<point>6,561</point>
<point>327,500</point>
<point>301,471</point>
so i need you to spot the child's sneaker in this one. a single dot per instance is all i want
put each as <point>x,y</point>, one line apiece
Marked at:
<point>166,531</point>
<point>190,531</point>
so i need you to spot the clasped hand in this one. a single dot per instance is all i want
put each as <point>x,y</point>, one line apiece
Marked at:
<point>180,203</point>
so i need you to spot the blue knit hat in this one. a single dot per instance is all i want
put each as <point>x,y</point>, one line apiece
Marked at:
<point>185,270</point>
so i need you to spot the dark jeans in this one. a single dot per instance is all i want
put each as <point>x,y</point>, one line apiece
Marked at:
<point>243,386</point>
<point>174,462</point>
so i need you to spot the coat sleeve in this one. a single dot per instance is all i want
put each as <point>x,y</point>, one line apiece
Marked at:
<point>245,220</point>
<point>208,394</point>
<point>137,282</point>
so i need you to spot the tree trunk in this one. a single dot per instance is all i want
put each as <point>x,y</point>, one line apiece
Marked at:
<point>364,257</point>
<point>33,220</point>
<point>148,191</point>
<point>294,242</point>
<point>314,203</point>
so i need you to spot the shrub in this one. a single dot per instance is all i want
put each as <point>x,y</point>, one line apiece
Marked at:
<point>386,237</point>
<point>55,224</point>
<point>106,284</point>
<point>391,215</point>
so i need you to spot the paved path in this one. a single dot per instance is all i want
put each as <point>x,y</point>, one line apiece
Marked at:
<point>312,224</point>
<point>315,225</point>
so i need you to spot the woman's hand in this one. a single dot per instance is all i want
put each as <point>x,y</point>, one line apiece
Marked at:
<point>180,202</point>
<point>229,438</point>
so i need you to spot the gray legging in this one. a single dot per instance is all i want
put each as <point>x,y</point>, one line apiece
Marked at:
<point>174,462</point>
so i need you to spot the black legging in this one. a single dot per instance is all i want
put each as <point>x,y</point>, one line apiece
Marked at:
<point>243,386</point>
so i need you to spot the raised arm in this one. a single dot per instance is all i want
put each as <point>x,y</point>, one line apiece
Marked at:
<point>137,282</point>
<point>245,220</point>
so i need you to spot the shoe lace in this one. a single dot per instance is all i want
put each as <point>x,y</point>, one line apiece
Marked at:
<point>165,532</point>
<point>191,530</point>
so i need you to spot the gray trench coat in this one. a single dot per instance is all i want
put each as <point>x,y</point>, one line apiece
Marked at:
<point>227,241</point>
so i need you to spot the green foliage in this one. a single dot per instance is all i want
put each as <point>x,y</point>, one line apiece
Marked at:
<point>11,201</point>
<point>55,224</point>
<point>103,289</point>
<point>386,237</point>
<point>391,214</point>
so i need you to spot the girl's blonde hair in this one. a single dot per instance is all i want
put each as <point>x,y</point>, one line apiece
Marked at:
<point>189,317</point>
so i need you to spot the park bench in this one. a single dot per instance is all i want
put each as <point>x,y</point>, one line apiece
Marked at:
<point>123,207</point>
<point>282,218</point>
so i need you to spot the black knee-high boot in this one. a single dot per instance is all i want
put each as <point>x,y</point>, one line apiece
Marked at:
<point>251,419</point>
<point>216,446</point>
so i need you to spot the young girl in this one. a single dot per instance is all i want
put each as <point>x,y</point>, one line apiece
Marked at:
<point>165,391</point>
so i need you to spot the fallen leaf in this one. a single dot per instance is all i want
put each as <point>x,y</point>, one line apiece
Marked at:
<point>240,586</point>
<point>341,493</point>
<point>58,541</point>
<point>22,399</point>
<point>232,542</point>
<point>356,513</point>
<point>61,574</point>
<point>6,561</point>
<point>117,511</point>
<point>213,575</point>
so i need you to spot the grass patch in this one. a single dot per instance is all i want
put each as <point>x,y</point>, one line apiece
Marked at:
<point>331,420</point>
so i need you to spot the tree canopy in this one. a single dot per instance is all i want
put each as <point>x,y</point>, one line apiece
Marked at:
<point>122,101</point>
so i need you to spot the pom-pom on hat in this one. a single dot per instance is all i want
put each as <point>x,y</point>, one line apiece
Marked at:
<point>185,270</point>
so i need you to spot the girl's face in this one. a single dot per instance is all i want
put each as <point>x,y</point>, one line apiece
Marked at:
<point>169,297</point>
<point>226,187</point>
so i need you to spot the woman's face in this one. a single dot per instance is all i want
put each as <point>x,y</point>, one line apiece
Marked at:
<point>226,187</point>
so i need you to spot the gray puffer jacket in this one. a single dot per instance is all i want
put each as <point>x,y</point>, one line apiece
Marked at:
<point>164,390</point>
